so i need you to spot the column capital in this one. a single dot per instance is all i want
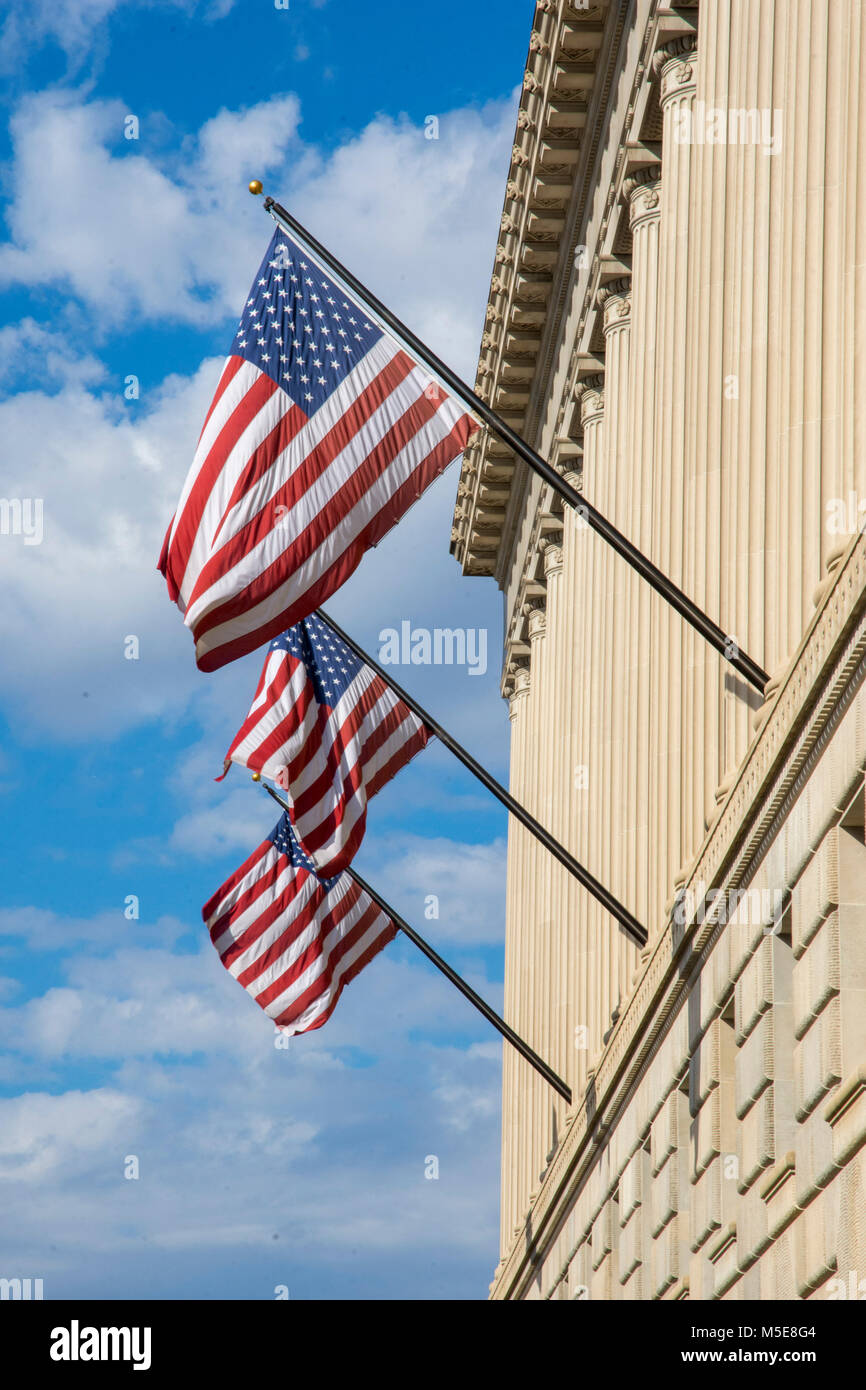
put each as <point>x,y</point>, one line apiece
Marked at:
<point>674,64</point>
<point>551,548</point>
<point>518,680</point>
<point>537,617</point>
<point>644,196</point>
<point>615,300</point>
<point>591,399</point>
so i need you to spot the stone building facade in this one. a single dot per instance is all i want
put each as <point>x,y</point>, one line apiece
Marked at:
<point>677,321</point>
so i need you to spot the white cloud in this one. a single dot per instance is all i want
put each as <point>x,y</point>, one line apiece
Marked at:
<point>109,471</point>
<point>106,488</point>
<point>240,1143</point>
<point>40,929</point>
<point>467,882</point>
<point>42,1133</point>
<point>119,233</point>
<point>76,25</point>
<point>125,233</point>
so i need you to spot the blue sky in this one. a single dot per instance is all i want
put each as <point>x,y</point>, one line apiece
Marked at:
<point>123,1037</point>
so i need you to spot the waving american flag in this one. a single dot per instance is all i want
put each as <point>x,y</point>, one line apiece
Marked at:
<point>322,433</point>
<point>292,939</point>
<point>331,732</point>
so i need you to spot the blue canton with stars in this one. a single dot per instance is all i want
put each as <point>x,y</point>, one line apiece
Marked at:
<point>284,839</point>
<point>329,662</point>
<point>301,329</point>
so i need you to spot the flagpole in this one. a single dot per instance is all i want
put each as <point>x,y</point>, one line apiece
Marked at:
<point>724,644</point>
<point>466,990</point>
<point>583,876</point>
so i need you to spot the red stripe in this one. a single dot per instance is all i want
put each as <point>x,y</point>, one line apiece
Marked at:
<point>327,924</point>
<point>276,691</point>
<point>287,727</point>
<point>337,742</point>
<point>212,465</point>
<point>239,874</point>
<point>388,933</point>
<point>231,367</point>
<point>333,955</point>
<point>298,920</point>
<point>263,458</point>
<point>404,755</point>
<point>297,484</point>
<point>333,578</point>
<point>265,883</point>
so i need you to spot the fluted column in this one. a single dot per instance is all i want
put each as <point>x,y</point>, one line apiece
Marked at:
<point>710,406</point>
<point>585,837</point>
<point>534,1025</point>
<point>676,65</point>
<point>515,949</point>
<point>615,589</point>
<point>644,213</point>
<point>816,435</point>
<point>744,493</point>
<point>557,713</point>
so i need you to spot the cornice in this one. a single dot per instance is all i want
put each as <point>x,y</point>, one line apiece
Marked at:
<point>534,274</point>
<point>808,699</point>
<point>553,126</point>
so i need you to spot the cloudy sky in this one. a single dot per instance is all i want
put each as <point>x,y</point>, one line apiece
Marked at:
<point>122,1038</point>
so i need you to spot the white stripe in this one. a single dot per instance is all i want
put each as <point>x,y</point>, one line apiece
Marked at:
<point>317,967</point>
<point>323,558</point>
<point>251,437</point>
<point>285,463</point>
<point>272,715</point>
<point>259,868</point>
<point>322,1002</point>
<point>307,888</point>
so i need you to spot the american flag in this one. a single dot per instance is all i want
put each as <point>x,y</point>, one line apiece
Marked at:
<point>292,939</point>
<point>322,433</point>
<point>331,732</point>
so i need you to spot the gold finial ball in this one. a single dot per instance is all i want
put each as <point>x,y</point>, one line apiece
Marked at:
<point>256,187</point>
<point>257,777</point>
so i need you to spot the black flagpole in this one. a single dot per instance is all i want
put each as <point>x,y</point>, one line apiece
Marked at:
<point>466,990</point>
<point>723,643</point>
<point>583,876</point>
